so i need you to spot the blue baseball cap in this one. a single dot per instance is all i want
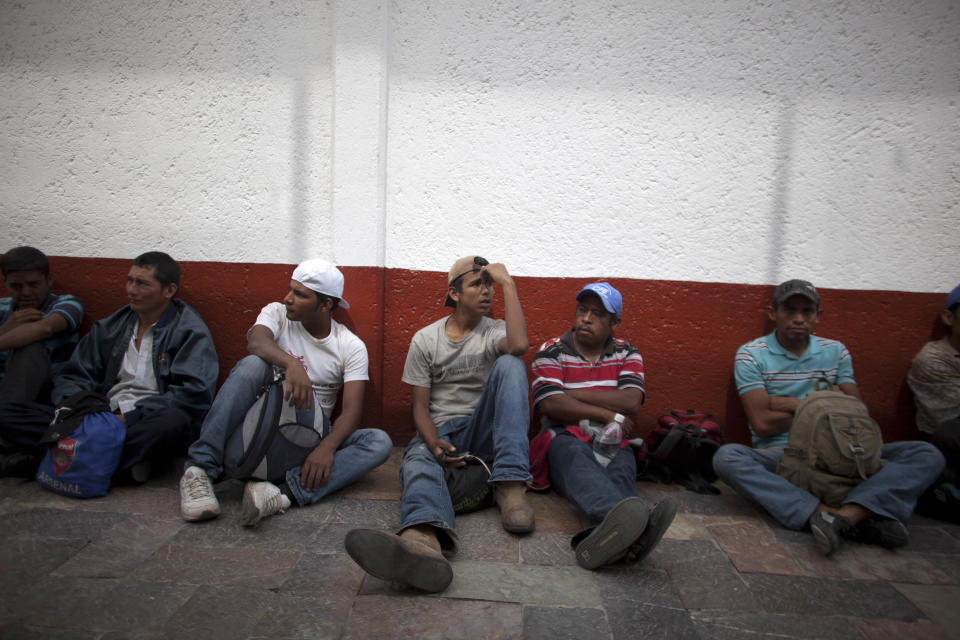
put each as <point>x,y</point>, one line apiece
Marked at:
<point>953,297</point>
<point>610,297</point>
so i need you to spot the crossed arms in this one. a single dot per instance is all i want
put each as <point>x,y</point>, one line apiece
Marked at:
<point>599,405</point>
<point>770,415</point>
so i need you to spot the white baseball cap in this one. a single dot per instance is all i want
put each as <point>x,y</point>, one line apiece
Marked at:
<point>322,277</point>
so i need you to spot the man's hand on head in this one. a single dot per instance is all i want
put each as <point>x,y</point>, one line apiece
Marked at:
<point>497,272</point>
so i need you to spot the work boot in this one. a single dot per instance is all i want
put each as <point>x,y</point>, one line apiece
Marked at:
<point>515,513</point>
<point>412,559</point>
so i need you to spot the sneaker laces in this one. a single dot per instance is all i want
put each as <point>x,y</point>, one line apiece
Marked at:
<point>273,503</point>
<point>198,487</point>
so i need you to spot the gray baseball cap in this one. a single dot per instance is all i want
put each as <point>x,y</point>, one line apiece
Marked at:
<point>795,288</point>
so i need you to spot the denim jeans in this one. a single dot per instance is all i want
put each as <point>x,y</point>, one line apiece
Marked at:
<point>360,452</point>
<point>910,467</point>
<point>498,427</point>
<point>363,450</point>
<point>578,477</point>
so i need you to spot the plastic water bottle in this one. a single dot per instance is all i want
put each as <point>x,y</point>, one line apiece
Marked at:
<point>606,443</point>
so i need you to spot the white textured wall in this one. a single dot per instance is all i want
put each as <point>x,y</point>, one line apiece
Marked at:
<point>715,141</point>
<point>203,128</point>
<point>727,141</point>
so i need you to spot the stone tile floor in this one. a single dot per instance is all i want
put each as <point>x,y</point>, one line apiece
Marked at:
<point>127,566</point>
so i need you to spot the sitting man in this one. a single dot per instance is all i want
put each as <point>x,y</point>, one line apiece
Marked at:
<point>934,378</point>
<point>38,329</point>
<point>153,359</point>
<point>588,375</point>
<point>319,356</point>
<point>772,374</point>
<point>469,396</point>
<point>934,375</point>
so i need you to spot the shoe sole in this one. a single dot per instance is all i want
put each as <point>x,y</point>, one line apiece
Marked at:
<point>249,512</point>
<point>621,527</point>
<point>382,556</point>
<point>661,517</point>
<point>206,514</point>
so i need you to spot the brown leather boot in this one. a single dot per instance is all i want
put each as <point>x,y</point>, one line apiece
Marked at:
<point>420,536</point>
<point>515,513</point>
<point>413,558</point>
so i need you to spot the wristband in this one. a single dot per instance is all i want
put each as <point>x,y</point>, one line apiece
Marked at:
<point>618,418</point>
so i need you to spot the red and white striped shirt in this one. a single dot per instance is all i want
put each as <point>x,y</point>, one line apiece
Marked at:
<point>558,366</point>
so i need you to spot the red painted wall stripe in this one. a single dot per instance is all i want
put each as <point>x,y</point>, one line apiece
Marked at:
<point>687,332</point>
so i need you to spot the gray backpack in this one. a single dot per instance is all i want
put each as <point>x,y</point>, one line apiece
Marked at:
<point>274,437</point>
<point>833,444</point>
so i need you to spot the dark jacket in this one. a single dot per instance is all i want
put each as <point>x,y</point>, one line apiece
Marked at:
<point>184,362</point>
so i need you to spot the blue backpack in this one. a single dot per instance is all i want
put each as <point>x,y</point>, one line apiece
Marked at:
<point>80,465</point>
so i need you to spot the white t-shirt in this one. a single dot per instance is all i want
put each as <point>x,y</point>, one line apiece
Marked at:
<point>338,358</point>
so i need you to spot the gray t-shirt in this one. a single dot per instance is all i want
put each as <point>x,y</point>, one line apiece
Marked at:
<point>455,372</point>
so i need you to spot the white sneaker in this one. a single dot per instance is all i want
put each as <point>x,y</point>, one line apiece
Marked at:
<point>197,500</point>
<point>260,500</point>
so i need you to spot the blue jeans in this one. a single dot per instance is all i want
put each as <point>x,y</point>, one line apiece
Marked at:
<point>910,467</point>
<point>360,452</point>
<point>498,427</point>
<point>578,477</point>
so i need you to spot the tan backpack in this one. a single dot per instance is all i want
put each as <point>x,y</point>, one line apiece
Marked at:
<point>833,444</point>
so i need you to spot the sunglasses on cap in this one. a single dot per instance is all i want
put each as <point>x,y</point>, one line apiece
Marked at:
<point>478,263</point>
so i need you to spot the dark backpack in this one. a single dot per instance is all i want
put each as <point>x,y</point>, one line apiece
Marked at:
<point>680,449</point>
<point>833,444</point>
<point>274,437</point>
<point>468,485</point>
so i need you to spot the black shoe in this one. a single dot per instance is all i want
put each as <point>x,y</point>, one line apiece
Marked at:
<point>661,517</point>
<point>827,529</point>
<point>888,533</point>
<point>19,465</point>
<point>609,541</point>
<point>140,472</point>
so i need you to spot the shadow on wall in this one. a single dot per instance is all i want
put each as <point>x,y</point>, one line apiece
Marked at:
<point>687,332</point>
<point>781,191</point>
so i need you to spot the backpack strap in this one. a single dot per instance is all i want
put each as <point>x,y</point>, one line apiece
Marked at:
<point>826,384</point>
<point>667,445</point>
